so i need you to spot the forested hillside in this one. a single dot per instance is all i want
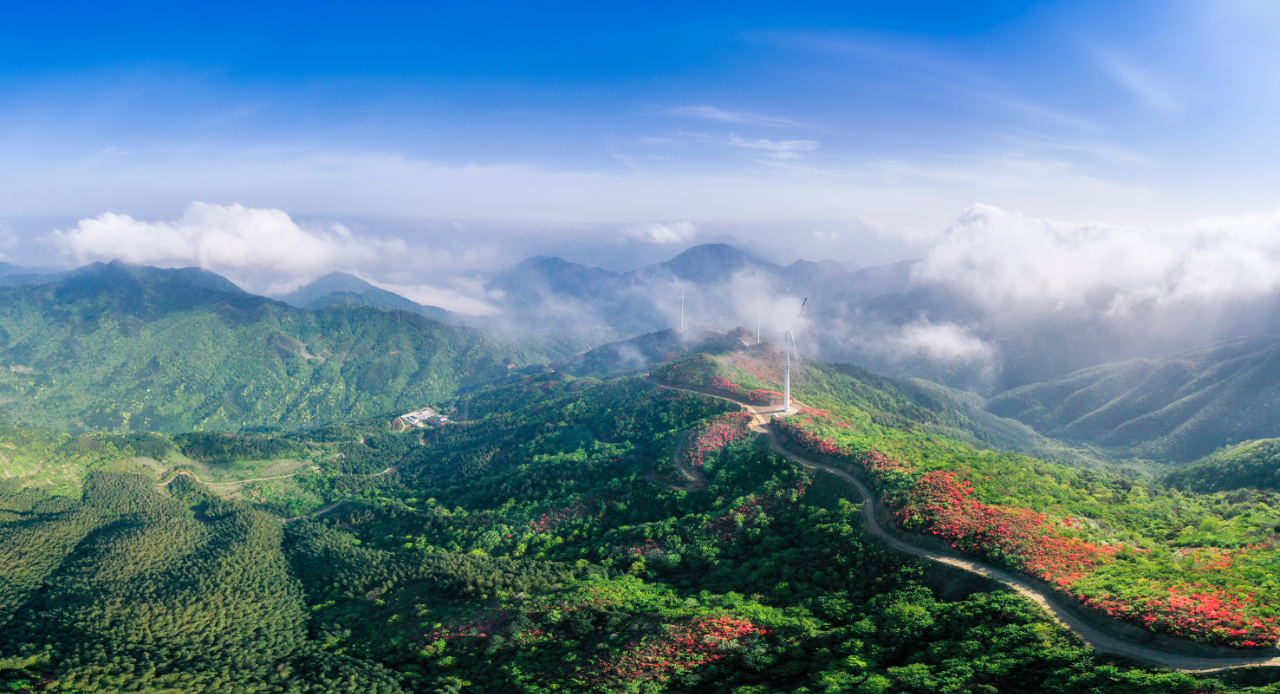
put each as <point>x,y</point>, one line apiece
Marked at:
<point>1178,408</point>
<point>115,347</point>
<point>549,543</point>
<point>1251,464</point>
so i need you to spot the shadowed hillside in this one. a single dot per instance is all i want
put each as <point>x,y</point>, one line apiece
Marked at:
<point>1178,408</point>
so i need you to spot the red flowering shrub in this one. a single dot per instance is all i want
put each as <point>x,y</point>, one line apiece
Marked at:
<point>725,529</point>
<point>716,434</point>
<point>550,521</point>
<point>683,646</point>
<point>940,504</point>
<point>480,626</point>
<point>726,374</point>
<point>1204,613</point>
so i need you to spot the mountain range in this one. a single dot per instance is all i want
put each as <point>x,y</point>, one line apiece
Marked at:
<point>1179,408</point>
<point>120,347</point>
<point>72,341</point>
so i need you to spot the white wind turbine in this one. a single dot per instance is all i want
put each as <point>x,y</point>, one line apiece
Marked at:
<point>682,310</point>
<point>786,374</point>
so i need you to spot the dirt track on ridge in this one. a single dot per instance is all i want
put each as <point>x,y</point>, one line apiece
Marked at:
<point>1095,637</point>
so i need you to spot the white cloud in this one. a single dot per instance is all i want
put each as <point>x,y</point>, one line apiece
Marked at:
<point>781,149</point>
<point>713,113</point>
<point>218,237</point>
<point>939,342</point>
<point>442,297</point>
<point>674,232</point>
<point>1002,258</point>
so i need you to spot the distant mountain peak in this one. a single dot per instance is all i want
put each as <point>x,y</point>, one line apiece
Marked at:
<point>326,284</point>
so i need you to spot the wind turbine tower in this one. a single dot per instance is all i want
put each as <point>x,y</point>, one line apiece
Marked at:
<point>786,371</point>
<point>757,321</point>
<point>681,310</point>
<point>786,377</point>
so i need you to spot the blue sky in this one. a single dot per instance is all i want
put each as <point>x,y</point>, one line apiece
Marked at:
<point>883,122</point>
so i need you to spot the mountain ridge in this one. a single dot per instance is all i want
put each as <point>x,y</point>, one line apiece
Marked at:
<point>119,347</point>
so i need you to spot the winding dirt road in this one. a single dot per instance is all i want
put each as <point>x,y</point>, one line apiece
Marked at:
<point>226,484</point>
<point>1095,637</point>
<point>694,480</point>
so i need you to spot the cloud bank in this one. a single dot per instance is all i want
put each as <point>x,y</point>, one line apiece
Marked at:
<point>1004,259</point>
<point>262,249</point>
<point>218,237</point>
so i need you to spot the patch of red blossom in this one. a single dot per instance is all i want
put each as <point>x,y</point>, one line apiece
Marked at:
<point>725,528</point>
<point>550,521</point>
<point>941,504</point>
<point>716,434</point>
<point>645,549</point>
<point>721,383</point>
<point>683,646</point>
<point>1206,613</point>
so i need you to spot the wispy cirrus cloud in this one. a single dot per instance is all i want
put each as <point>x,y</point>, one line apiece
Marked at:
<point>715,114</point>
<point>1140,82</point>
<point>781,149</point>
<point>778,149</point>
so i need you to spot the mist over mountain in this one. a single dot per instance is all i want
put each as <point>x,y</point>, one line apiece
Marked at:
<point>545,294</point>
<point>933,318</point>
